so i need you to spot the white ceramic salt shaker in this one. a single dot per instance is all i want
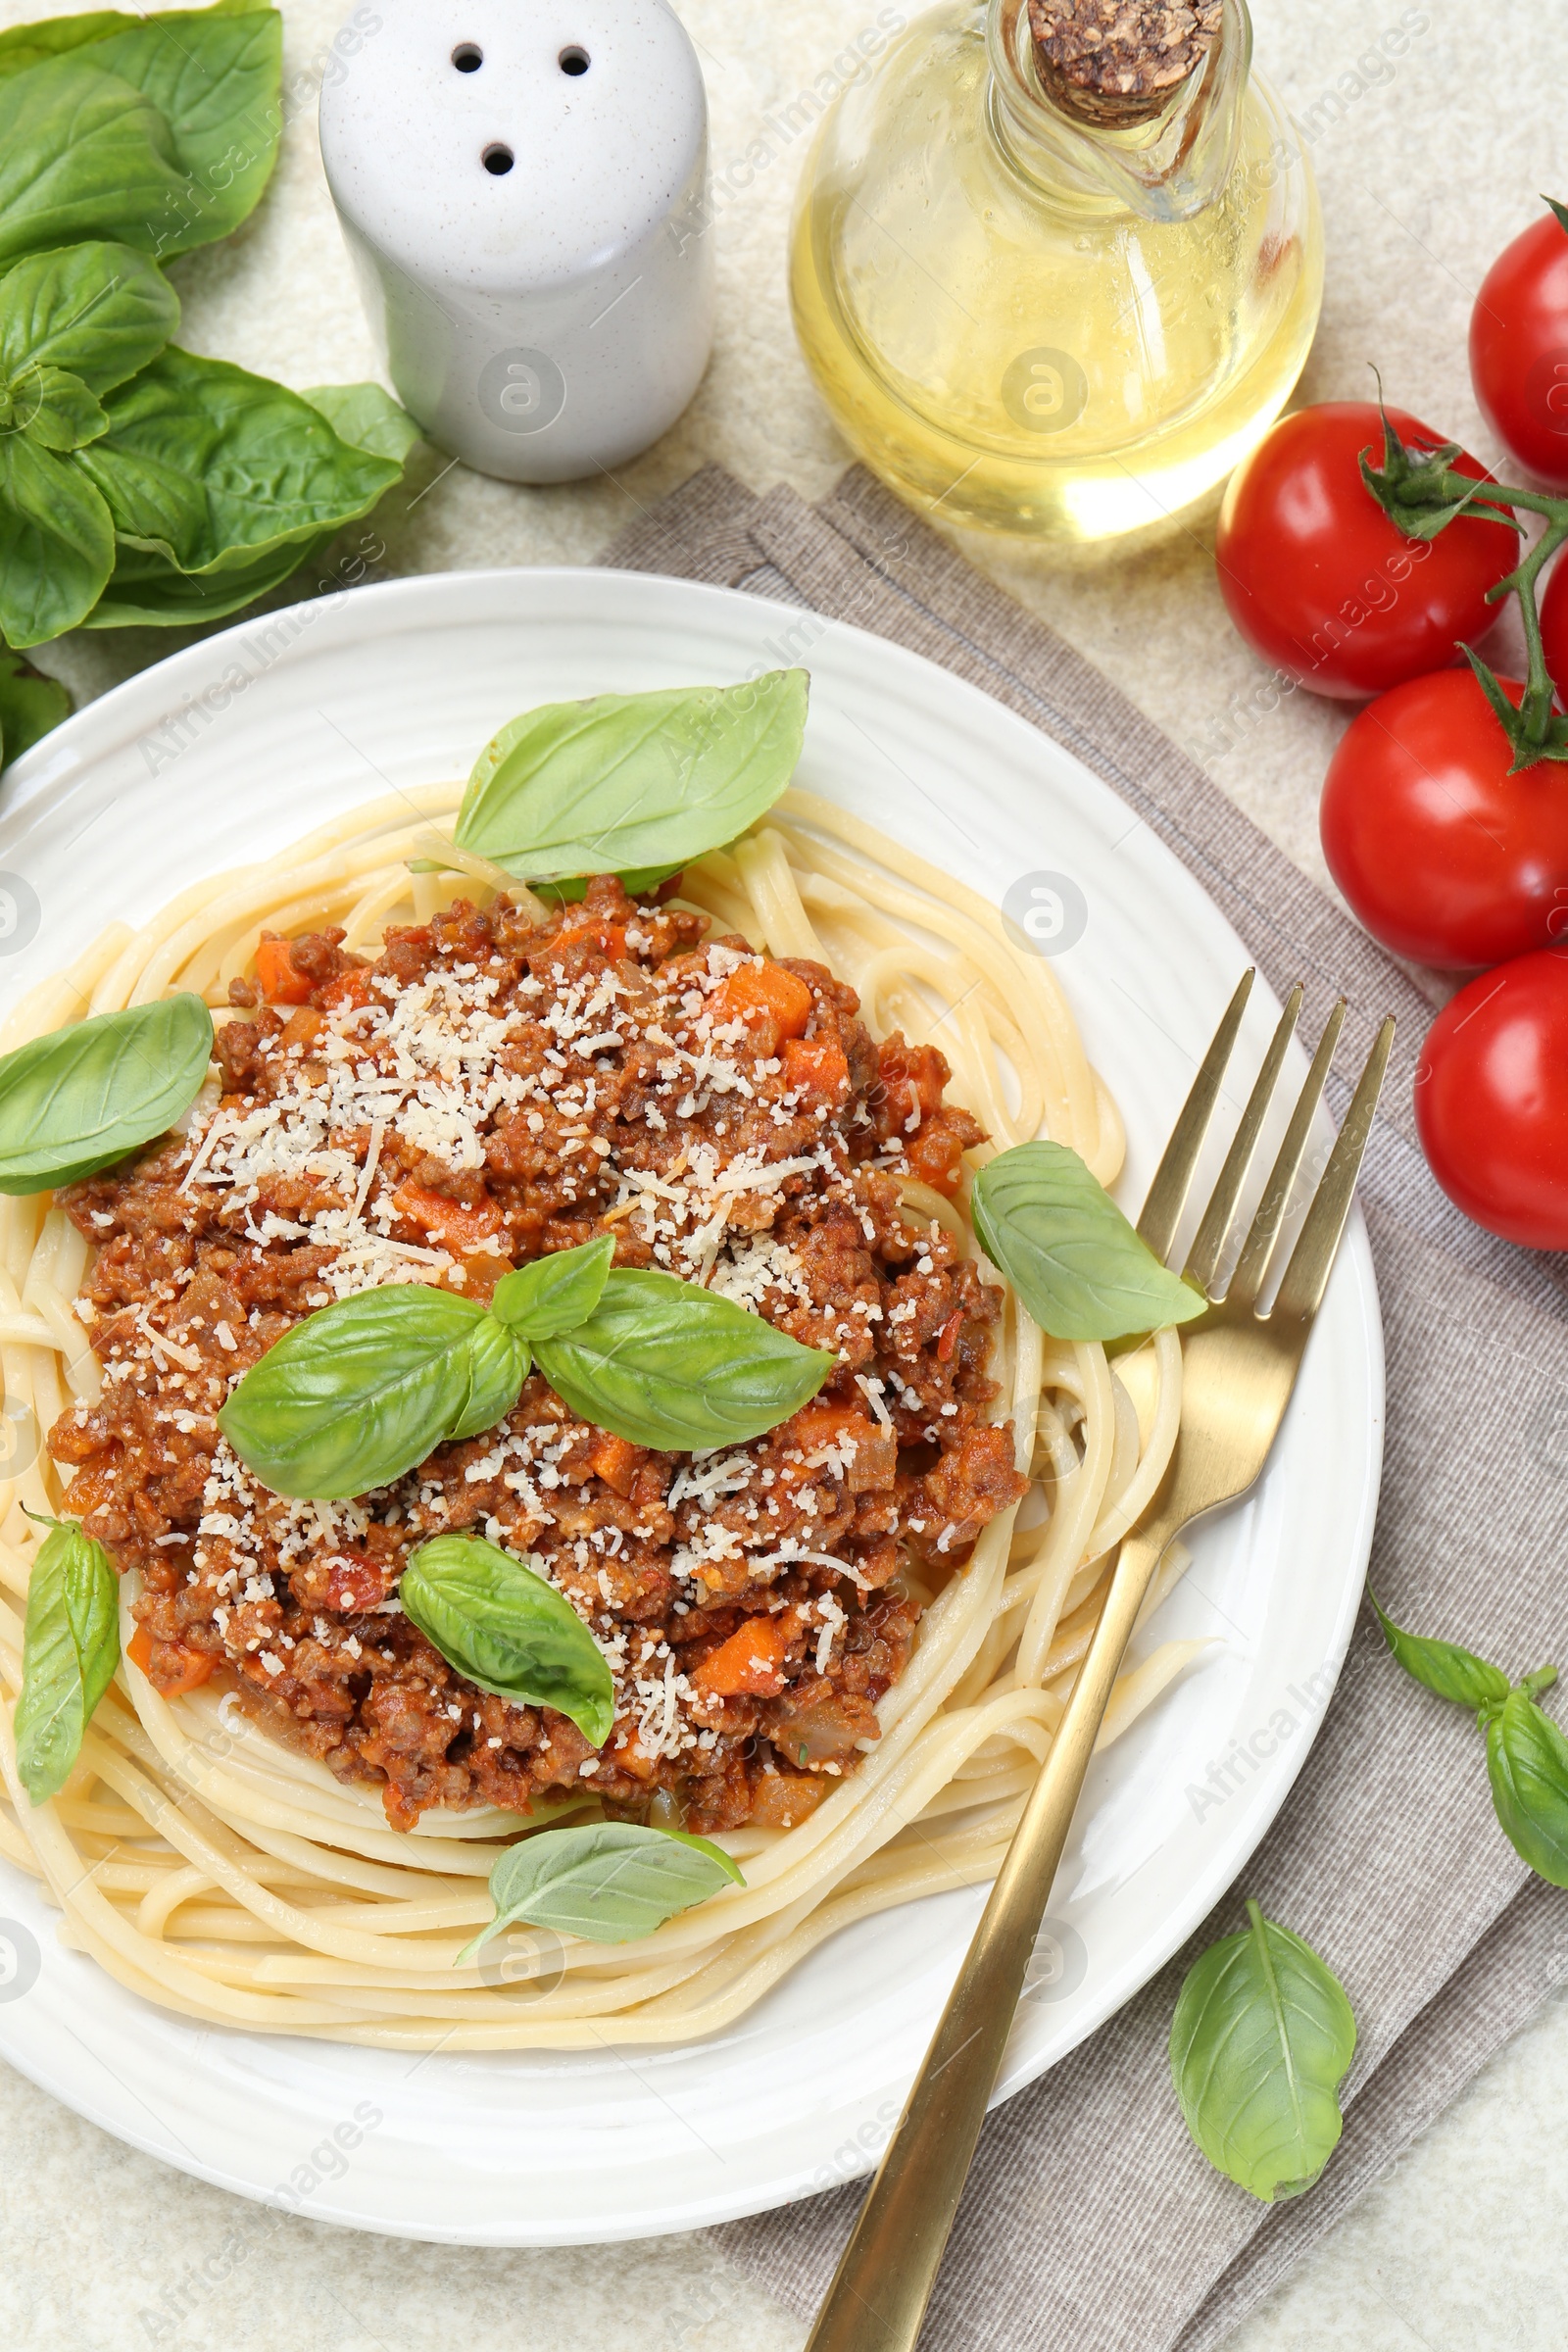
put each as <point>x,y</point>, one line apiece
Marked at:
<point>523,187</point>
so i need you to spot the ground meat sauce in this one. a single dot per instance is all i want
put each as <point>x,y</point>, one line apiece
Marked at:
<point>485,1092</point>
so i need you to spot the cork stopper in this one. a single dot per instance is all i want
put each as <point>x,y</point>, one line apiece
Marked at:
<point>1117,62</point>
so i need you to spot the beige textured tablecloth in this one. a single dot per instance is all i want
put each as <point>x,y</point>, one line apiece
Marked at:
<point>1426,167</point>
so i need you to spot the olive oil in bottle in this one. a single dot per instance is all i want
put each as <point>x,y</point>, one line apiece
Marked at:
<point>1050,282</point>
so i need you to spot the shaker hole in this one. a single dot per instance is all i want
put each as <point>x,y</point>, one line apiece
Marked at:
<point>498,159</point>
<point>468,57</point>
<point>574,60</point>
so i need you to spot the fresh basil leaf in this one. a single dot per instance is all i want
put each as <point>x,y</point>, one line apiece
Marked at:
<point>555,1293</point>
<point>56,410</point>
<point>628,781</point>
<point>25,45</point>
<point>100,311</point>
<point>1070,1254</point>
<point>80,1099</point>
<point>83,154</point>
<point>1527,1764</point>
<point>215,77</point>
<point>608,1882</point>
<point>498,1366</point>
<point>667,1364</point>
<point>57,543</point>
<point>1441,1666</point>
<point>28,45</point>
<point>69,1649</point>
<point>1260,2045</point>
<point>30,705</point>
<point>147,591</point>
<point>506,1628</point>
<point>211,468</point>
<point>361,1391</point>
<point>364,416</point>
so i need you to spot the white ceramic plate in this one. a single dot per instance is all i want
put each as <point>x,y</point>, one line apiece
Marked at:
<point>286,719</point>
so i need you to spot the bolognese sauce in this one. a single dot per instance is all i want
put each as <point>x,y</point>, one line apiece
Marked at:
<point>487,1089</point>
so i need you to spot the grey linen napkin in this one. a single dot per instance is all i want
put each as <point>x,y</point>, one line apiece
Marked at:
<point>1090,2219</point>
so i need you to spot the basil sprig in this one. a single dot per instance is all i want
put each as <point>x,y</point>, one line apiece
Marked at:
<point>666,1363</point>
<point>634,784</point>
<point>363,1391</point>
<point>1079,1267</point>
<point>139,483</point>
<point>69,1649</point>
<point>501,1624</point>
<point>610,1881</point>
<point>1526,1754</point>
<point>1260,2045</point>
<point>80,1099</point>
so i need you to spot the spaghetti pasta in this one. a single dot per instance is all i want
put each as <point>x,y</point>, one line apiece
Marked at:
<point>222,1874</point>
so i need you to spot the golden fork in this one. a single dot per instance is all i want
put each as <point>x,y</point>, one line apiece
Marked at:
<point>1238,1368</point>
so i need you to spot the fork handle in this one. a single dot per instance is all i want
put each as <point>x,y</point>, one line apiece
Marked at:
<point>877,2301</point>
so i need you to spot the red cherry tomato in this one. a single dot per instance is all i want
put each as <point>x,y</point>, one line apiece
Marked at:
<point>1491,1100</point>
<point>1443,856</point>
<point>1519,349</point>
<point>1318,580</point>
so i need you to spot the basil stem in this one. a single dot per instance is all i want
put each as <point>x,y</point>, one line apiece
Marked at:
<point>633,781</point>
<point>501,1624</point>
<point>610,1881</point>
<point>69,1649</point>
<point>1261,2041</point>
<point>80,1099</point>
<point>1074,1260</point>
<point>667,1364</point>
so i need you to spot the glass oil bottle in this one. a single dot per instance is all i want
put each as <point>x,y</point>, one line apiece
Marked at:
<point>1049,291</point>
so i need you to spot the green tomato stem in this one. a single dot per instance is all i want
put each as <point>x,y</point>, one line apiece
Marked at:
<point>1536,708</point>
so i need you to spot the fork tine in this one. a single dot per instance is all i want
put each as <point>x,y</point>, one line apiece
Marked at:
<point>1202,1259</point>
<point>1167,1195</point>
<point>1252,1267</point>
<point>1306,1276</point>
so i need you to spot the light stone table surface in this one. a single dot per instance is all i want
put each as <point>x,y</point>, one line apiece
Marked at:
<point>1427,166</point>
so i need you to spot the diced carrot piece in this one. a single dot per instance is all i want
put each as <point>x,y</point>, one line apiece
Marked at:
<point>171,1667</point>
<point>579,930</point>
<point>280,983</point>
<point>871,1451</point>
<point>634,1758</point>
<point>302,1028</point>
<point>948,1336</point>
<point>772,1003</point>
<point>615,1461</point>
<point>750,1663</point>
<point>817,1065</point>
<point>446,1221</point>
<point>783,1800</point>
<point>349,992</point>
